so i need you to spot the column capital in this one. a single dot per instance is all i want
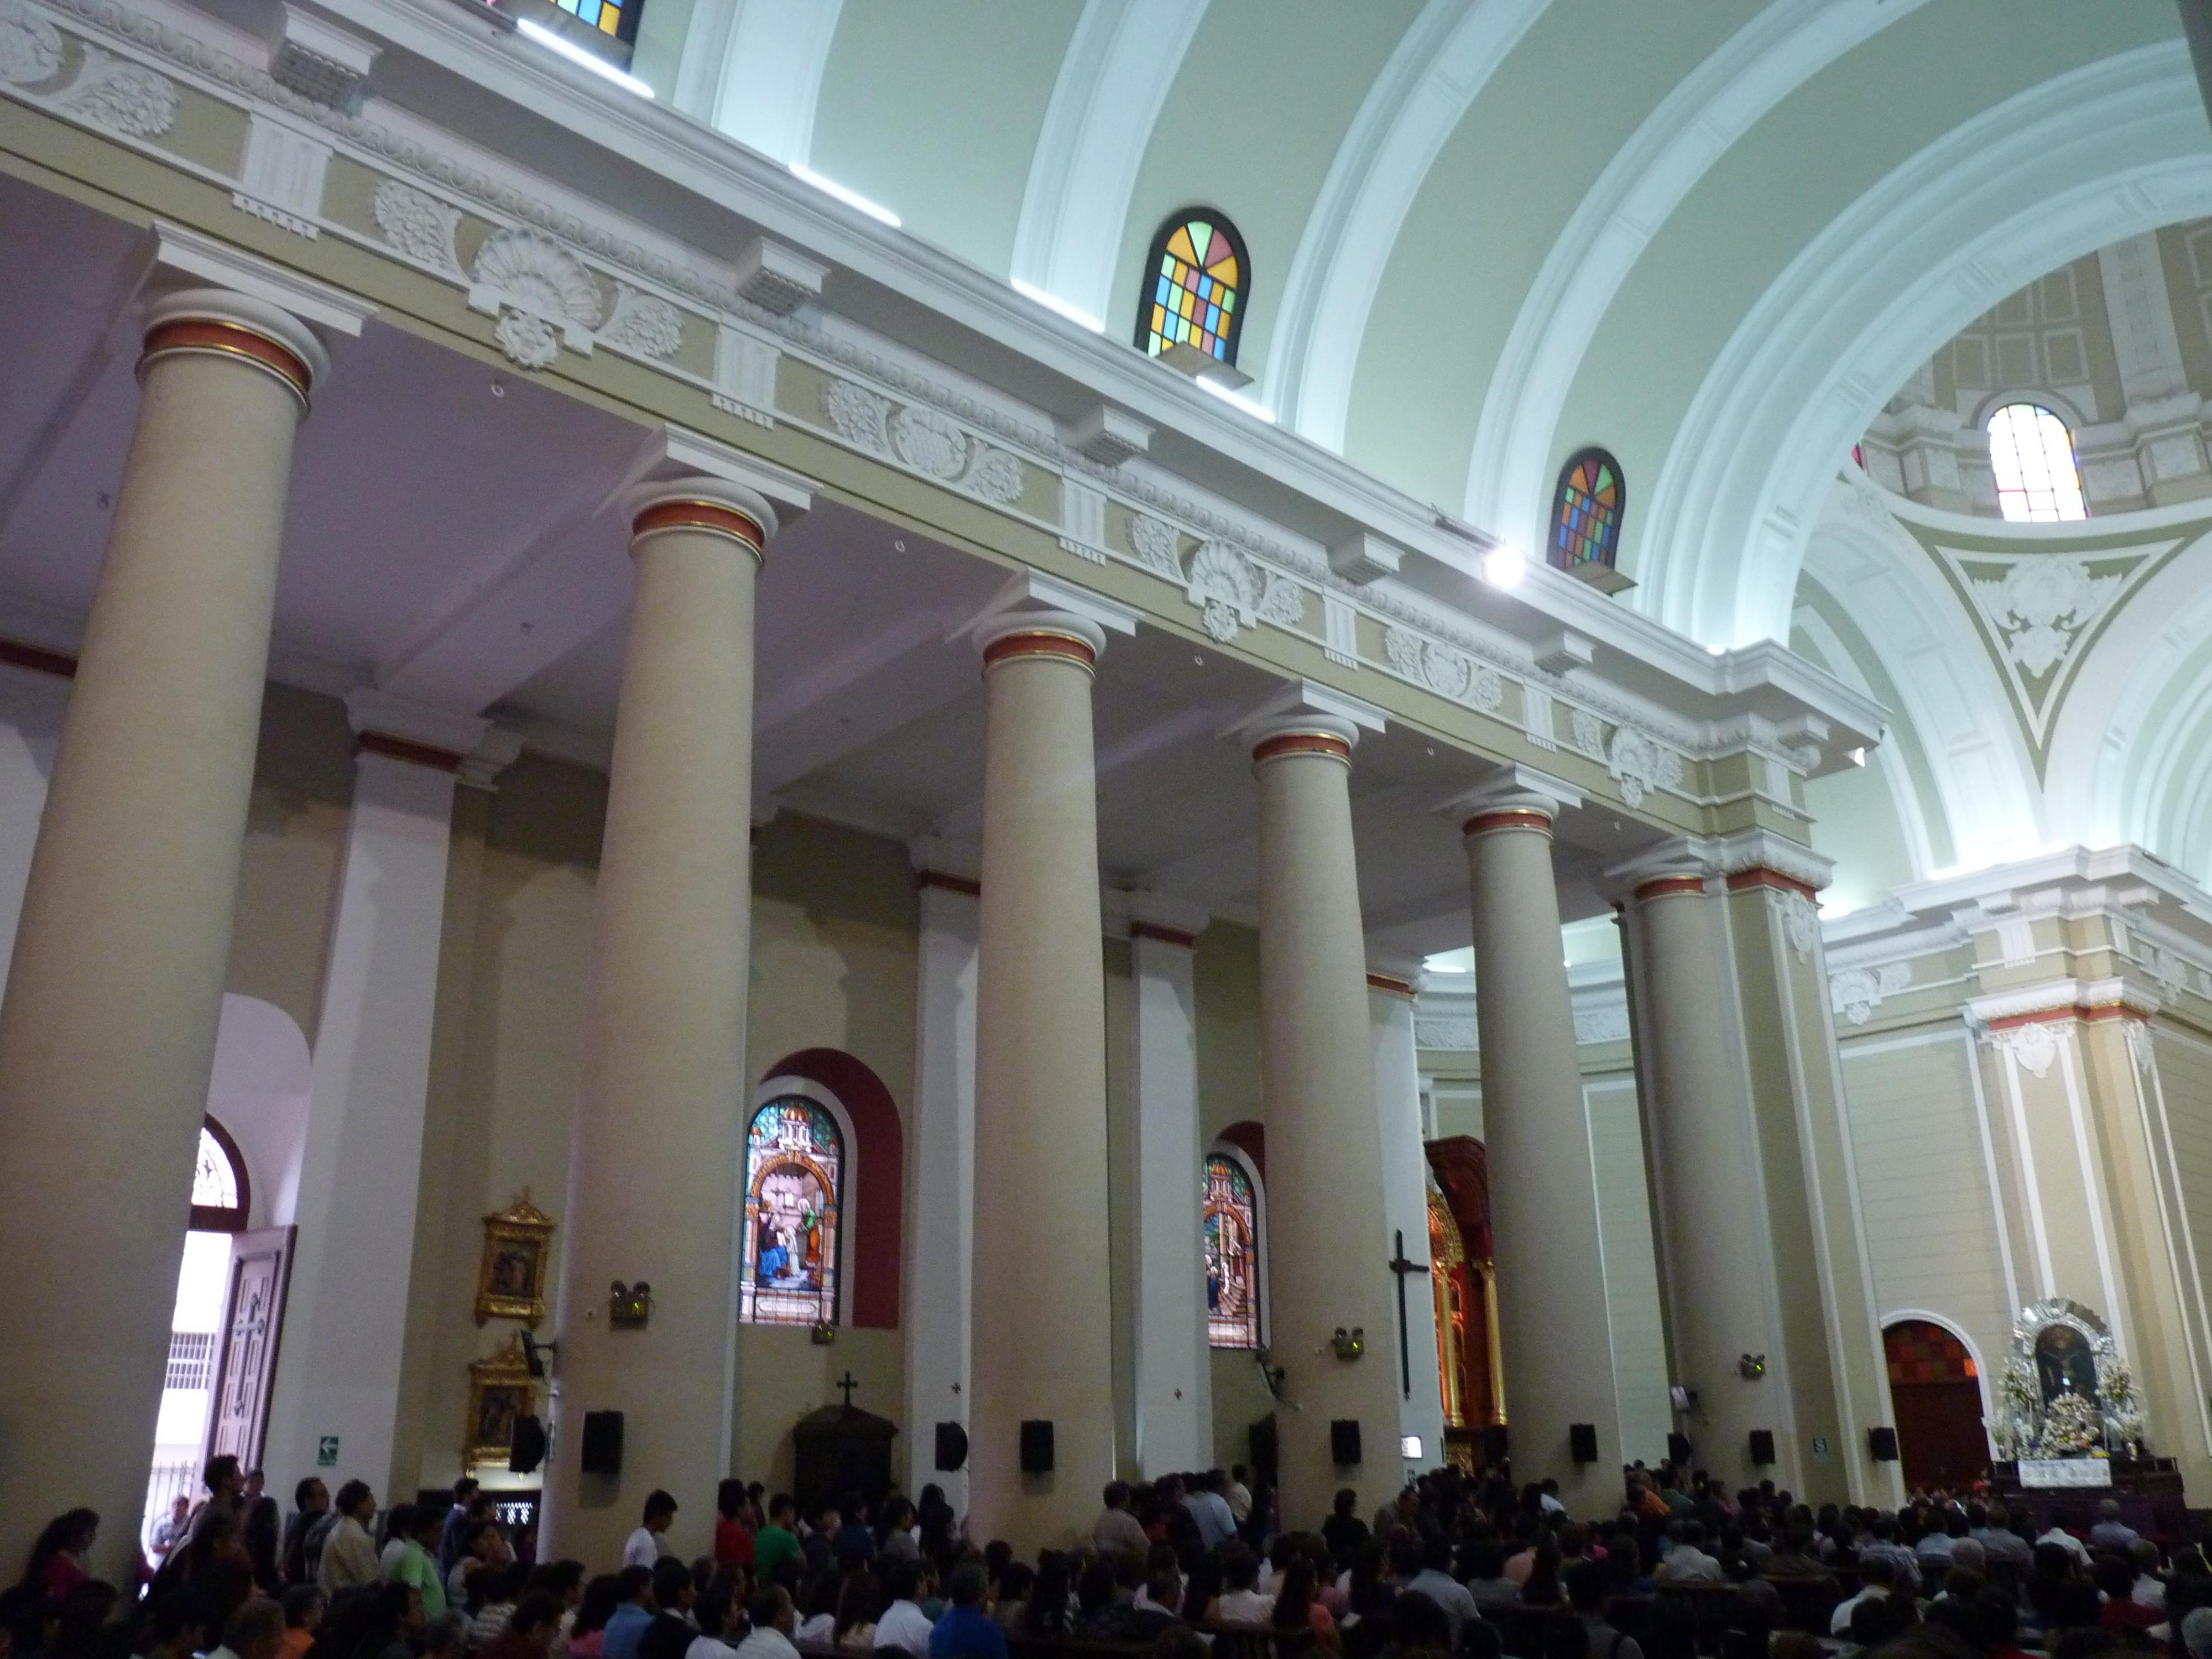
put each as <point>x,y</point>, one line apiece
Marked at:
<point>1031,593</point>
<point>1059,635</point>
<point>701,505</point>
<point>1164,920</point>
<point>676,458</point>
<point>940,864</point>
<point>1760,857</point>
<point>1512,798</point>
<point>212,322</point>
<point>1668,869</point>
<point>197,287</point>
<point>1284,736</point>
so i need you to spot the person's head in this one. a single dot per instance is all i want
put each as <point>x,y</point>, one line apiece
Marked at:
<point>1418,1624</point>
<point>1875,1621</point>
<point>781,1511</point>
<point>185,1621</point>
<point>257,1482</point>
<point>1587,1586</point>
<point>303,1608</point>
<point>902,1579</point>
<point>1346,1501</point>
<point>310,1496</point>
<point>70,1532</point>
<point>730,1499</point>
<point>483,1535</point>
<point>771,1609</point>
<point>427,1524</point>
<point>966,1586</point>
<point>1163,1586</point>
<point>445,1635</point>
<point>2109,1510</point>
<point>660,1510</point>
<point>481,1506</point>
<point>536,1619</point>
<point>634,1584</point>
<point>671,1585</point>
<point>1117,1494</point>
<point>465,1488</point>
<point>601,1597</point>
<point>1436,1552</point>
<point>1240,1568</point>
<point>180,1507</point>
<point>355,1500</point>
<point>222,1477</point>
<point>256,1630</point>
<point>1876,1572</point>
<point>712,1611</point>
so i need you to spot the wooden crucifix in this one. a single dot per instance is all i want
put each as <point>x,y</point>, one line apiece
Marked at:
<point>846,1384</point>
<point>1400,1266</point>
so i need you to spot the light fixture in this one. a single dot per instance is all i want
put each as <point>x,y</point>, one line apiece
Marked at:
<point>1504,567</point>
<point>1716,651</point>
<point>1855,756</point>
<point>1075,314</point>
<point>1409,1447</point>
<point>575,54</point>
<point>1237,400</point>
<point>851,199</point>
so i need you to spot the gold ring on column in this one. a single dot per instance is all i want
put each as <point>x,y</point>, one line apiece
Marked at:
<point>205,336</point>
<point>712,517</point>
<point>1041,642</point>
<point>1510,817</point>
<point>1282,744</point>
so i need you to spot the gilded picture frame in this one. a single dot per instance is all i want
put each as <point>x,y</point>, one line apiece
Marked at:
<point>517,1253</point>
<point>501,1392</point>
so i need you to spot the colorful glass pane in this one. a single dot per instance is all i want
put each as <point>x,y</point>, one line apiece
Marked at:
<point>604,15</point>
<point>1586,514</point>
<point>794,1180</point>
<point>1233,1255</point>
<point>1193,297</point>
<point>1919,1352</point>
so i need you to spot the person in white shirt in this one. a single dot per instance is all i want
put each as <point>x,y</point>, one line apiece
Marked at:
<point>1240,1603</point>
<point>349,1554</point>
<point>1217,1521</point>
<point>773,1619</point>
<point>1687,1562</point>
<point>1876,1574</point>
<point>1435,1581</point>
<point>903,1624</point>
<point>1117,1532</point>
<point>1239,1495</point>
<point>2067,1542</point>
<point>1547,1497</point>
<point>712,1611</point>
<point>644,1547</point>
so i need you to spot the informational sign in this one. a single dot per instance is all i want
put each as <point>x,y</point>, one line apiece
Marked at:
<point>326,1452</point>
<point>1820,1448</point>
<point>2065,1472</point>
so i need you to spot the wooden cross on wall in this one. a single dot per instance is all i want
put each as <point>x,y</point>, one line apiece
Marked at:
<point>848,1383</point>
<point>1400,1266</point>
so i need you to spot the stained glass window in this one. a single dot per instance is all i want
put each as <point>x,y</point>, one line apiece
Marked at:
<point>1195,286</point>
<point>794,1177</point>
<point>615,17</point>
<point>1586,510</point>
<point>1233,1255</point>
<point>1919,1352</point>
<point>219,1185</point>
<point>2031,453</point>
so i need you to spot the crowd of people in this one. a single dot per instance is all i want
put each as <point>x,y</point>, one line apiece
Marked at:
<point>1452,1567</point>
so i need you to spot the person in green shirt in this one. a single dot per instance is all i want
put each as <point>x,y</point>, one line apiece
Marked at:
<point>778,1540</point>
<point>417,1565</point>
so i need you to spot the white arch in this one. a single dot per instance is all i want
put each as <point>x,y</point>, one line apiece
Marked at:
<point>1912,811</point>
<point>848,1221</point>
<point>753,69</point>
<point>1507,489</point>
<point>1425,90</point>
<point>2088,157</point>
<point>1943,1321</point>
<point>1120,65</point>
<point>258,1090</point>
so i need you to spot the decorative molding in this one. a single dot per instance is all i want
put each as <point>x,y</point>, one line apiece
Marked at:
<point>280,179</point>
<point>542,294</point>
<point>123,97</point>
<point>2033,1046</point>
<point>1451,1031</point>
<point>643,324</point>
<point>30,46</point>
<point>1855,992</point>
<point>418,224</point>
<point>1639,764</point>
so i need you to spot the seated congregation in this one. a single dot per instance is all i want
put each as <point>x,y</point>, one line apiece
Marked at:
<point>1453,1567</point>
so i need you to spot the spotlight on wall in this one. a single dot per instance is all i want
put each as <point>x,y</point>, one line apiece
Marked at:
<point>1753,1366</point>
<point>1504,566</point>
<point>1349,1345</point>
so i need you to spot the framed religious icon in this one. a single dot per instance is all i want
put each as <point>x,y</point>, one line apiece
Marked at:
<point>517,1251</point>
<point>502,1392</point>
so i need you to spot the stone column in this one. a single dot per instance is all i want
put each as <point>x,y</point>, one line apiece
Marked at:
<point>1327,1240</point>
<point>655,1163</point>
<point>1175,1384</point>
<point>1042,1318</point>
<point>1555,1332</point>
<point>941,1175</point>
<point>1390,993</point>
<point>107,1032</point>
<point>338,1368</point>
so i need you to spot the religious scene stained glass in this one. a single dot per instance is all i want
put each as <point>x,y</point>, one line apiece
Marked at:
<point>605,15</point>
<point>1232,1259</point>
<point>1196,286</point>
<point>1586,514</point>
<point>794,1171</point>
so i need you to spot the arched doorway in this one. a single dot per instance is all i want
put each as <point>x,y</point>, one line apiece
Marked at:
<point>1935,1388</point>
<point>1464,1283</point>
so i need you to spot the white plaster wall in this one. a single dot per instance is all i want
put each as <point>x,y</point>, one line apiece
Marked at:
<point>2184,1072</point>
<point>1631,1268</point>
<point>31,707</point>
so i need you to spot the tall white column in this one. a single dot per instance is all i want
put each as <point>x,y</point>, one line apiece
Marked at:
<point>941,1174</point>
<point>107,1032</point>
<point>1390,991</point>
<point>338,1367</point>
<point>1175,1391</point>
<point>1555,1329</point>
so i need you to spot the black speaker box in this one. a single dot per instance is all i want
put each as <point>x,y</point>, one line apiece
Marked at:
<point>1882,1443</point>
<point>1678,1448</point>
<point>1344,1441</point>
<point>1496,1445</point>
<point>1762,1446</point>
<point>602,1444</point>
<point>527,1449</point>
<point>1036,1446</point>
<point>952,1446</point>
<point>1582,1442</point>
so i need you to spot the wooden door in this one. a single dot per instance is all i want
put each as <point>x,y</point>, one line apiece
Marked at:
<point>253,1319</point>
<point>1937,1395</point>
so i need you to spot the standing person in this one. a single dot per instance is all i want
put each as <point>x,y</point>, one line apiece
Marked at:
<point>451,1543</point>
<point>311,1501</point>
<point>414,1565</point>
<point>1209,1507</point>
<point>776,1542</point>
<point>57,1563</point>
<point>169,1531</point>
<point>645,1546</point>
<point>1117,1532</point>
<point>1239,1494</point>
<point>349,1554</point>
<point>734,1531</point>
<point>226,1489</point>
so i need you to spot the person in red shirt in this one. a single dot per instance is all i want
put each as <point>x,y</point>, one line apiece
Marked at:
<point>733,1530</point>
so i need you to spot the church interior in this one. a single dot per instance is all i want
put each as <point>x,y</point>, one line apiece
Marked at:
<point>1031,744</point>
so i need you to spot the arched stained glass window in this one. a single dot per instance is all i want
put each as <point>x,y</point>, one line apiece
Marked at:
<point>615,17</point>
<point>1586,510</point>
<point>221,1193</point>
<point>2031,453</point>
<point>1195,286</point>
<point>1233,1255</point>
<point>794,1196</point>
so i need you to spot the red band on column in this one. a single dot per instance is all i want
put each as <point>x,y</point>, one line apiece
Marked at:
<point>1041,642</point>
<point>951,884</point>
<point>1670,887</point>
<point>712,517</point>
<point>419,754</point>
<point>1392,984</point>
<point>1761,876</point>
<point>1325,743</point>
<point>1513,817</point>
<point>204,336</point>
<point>1152,930</point>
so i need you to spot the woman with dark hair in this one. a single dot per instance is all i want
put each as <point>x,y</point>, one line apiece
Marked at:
<point>57,1565</point>
<point>1201,1587</point>
<point>1541,1587</point>
<point>859,1605</point>
<point>1297,1607</point>
<point>1051,1610</point>
<point>936,1518</point>
<point>588,1635</point>
<point>215,1564</point>
<point>733,1532</point>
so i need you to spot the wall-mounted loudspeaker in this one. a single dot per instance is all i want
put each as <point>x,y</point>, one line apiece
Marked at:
<point>602,1439</point>
<point>1882,1442</point>
<point>1343,1441</point>
<point>528,1450</point>
<point>1496,1445</point>
<point>1678,1448</point>
<point>1762,1447</point>
<point>952,1446</point>
<point>1036,1446</point>
<point>1582,1442</point>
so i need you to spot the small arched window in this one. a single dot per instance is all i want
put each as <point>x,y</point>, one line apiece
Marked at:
<point>1233,1255</point>
<point>221,1195</point>
<point>2031,453</point>
<point>1586,511</point>
<point>1196,284</point>
<point>794,1198</point>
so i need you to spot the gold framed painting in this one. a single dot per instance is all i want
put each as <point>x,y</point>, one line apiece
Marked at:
<point>502,1392</point>
<point>518,1251</point>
